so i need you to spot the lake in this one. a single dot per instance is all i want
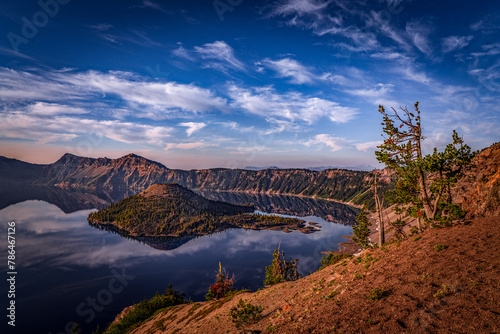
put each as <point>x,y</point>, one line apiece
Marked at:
<point>69,271</point>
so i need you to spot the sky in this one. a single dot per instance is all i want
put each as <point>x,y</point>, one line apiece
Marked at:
<point>235,83</point>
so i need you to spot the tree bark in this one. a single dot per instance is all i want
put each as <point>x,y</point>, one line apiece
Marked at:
<point>381,232</point>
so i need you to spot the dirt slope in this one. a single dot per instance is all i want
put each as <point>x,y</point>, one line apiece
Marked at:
<point>454,290</point>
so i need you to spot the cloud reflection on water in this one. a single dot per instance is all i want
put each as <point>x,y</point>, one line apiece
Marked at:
<point>46,234</point>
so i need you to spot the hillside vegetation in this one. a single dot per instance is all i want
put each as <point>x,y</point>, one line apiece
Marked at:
<point>443,281</point>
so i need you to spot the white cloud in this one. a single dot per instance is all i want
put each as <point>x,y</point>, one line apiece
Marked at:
<point>419,34</point>
<point>489,50</point>
<point>166,97</point>
<point>377,95</point>
<point>12,53</point>
<point>237,127</point>
<point>148,99</point>
<point>107,32</point>
<point>400,37</point>
<point>222,52</point>
<point>291,68</point>
<point>185,146</point>
<point>64,128</point>
<point>264,101</point>
<point>371,145</point>
<point>52,109</point>
<point>300,7</point>
<point>337,79</point>
<point>489,77</point>
<point>101,26</point>
<point>452,43</point>
<point>181,52</point>
<point>488,24</point>
<point>192,127</point>
<point>392,56</point>
<point>150,4</point>
<point>419,77</point>
<point>334,143</point>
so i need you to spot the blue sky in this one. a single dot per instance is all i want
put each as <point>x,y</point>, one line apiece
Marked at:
<point>233,83</point>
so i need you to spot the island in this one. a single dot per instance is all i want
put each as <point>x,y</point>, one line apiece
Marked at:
<point>170,210</point>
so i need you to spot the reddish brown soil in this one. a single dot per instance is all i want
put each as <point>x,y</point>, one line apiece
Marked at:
<point>454,290</point>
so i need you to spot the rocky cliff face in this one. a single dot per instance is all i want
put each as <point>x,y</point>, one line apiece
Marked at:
<point>135,173</point>
<point>479,190</point>
<point>128,172</point>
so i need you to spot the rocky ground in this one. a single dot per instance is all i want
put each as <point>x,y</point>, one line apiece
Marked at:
<point>423,287</point>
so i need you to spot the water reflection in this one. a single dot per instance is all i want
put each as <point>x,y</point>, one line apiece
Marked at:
<point>62,261</point>
<point>290,205</point>
<point>69,201</point>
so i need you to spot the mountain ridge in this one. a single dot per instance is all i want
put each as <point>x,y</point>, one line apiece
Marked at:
<point>132,172</point>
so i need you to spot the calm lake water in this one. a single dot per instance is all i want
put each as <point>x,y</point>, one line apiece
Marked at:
<point>68,271</point>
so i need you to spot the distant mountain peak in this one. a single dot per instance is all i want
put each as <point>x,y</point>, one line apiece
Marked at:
<point>68,157</point>
<point>132,155</point>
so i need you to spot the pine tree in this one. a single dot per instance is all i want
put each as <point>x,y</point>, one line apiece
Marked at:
<point>362,230</point>
<point>423,182</point>
<point>280,270</point>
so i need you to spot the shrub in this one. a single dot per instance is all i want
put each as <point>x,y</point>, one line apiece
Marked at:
<point>376,294</point>
<point>280,270</point>
<point>333,258</point>
<point>332,295</point>
<point>145,309</point>
<point>223,285</point>
<point>440,247</point>
<point>417,238</point>
<point>442,292</point>
<point>244,315</point>
<point>358,276</point>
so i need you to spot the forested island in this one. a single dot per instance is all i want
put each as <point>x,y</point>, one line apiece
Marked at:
<point>171,210</point>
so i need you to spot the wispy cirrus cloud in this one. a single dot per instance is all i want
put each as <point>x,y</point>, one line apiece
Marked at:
<point>292,69</point>
<point>489,76</point>
<point>357,26</point>
<point>487,24</point>
<point>217,55</point>
<point>150,4</point>
<point>192,127</point>
<point>377,95</point>
<point>221,55</point>
<point>419,34</point>
<point>182,52</point>
<point>452,43</point>
<point>300,7</point>
<point>488,50</point>
<point>116,36</point>
<point>12,53</point>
